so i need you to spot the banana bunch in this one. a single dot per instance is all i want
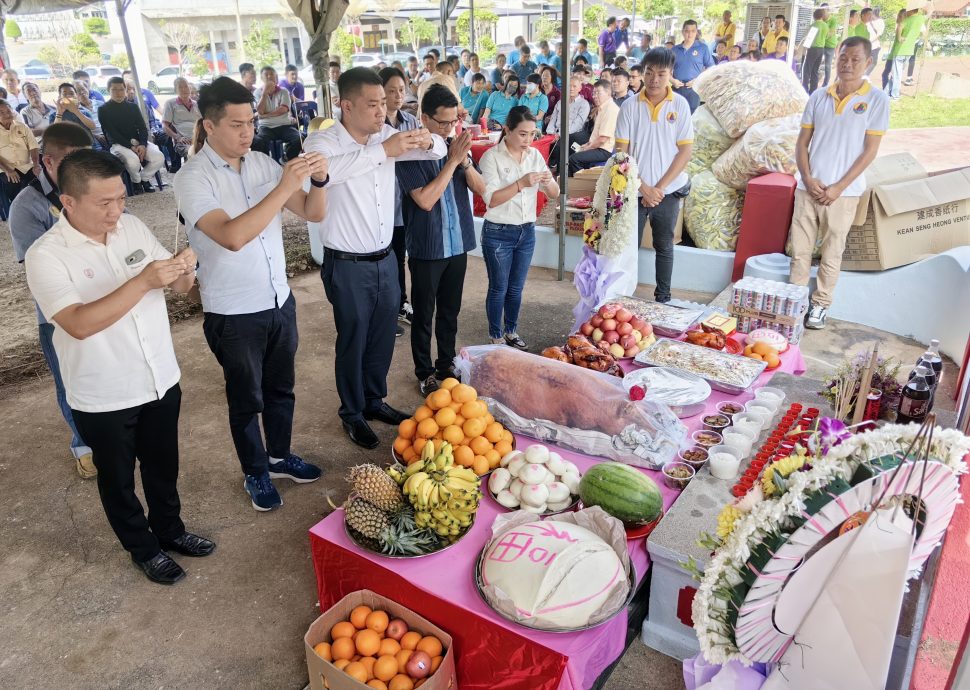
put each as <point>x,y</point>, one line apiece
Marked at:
<point>445,496</point>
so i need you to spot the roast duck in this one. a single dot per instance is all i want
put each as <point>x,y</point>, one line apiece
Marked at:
<point>581,351</point>
<point>708,337</point>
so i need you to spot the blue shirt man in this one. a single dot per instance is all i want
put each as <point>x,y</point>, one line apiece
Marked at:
<point>524,66</point>
<point>547,57</point>
<point>690,59</point>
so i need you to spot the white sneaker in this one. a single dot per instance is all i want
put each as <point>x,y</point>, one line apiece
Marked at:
<point>816,317</point>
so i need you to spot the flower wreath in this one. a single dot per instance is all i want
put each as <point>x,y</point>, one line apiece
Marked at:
<point>790,494</point>
<point>607,229</point>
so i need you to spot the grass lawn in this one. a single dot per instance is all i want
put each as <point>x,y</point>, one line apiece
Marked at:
<point>929,111</point>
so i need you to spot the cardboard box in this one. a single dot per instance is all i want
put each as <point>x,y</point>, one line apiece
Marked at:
<point>906,215</point>
<point>323,674</point>
<point>583,183</point>
<point>575,217</point>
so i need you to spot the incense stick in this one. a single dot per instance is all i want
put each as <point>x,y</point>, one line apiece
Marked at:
<point>865,385</point>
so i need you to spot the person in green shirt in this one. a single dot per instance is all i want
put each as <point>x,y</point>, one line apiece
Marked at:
<point>887,71</point>
<point>831,40</point>
<point>815,52</point>
<point>475,97</point>
<point>905,47</point>
<point>856,27</point>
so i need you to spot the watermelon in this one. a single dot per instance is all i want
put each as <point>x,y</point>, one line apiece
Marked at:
<point>622,491</point>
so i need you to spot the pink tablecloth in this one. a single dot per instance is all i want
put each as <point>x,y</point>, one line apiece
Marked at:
<point>446,594</point>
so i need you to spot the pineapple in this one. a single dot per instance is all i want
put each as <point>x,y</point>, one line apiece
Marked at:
<point>376,486</point>
<point>366,518</point>
<point>396,534</point>
<point>398,541</point>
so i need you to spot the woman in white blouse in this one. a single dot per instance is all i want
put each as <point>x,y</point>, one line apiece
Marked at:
<point>514,173</point>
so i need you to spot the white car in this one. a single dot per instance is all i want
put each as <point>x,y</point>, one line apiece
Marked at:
<point>164,80</point>
<point>366,59</point>
<point>101,74</point>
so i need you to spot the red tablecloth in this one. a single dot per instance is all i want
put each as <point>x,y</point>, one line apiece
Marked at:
<point>492,653</point>
<point>543,144</point>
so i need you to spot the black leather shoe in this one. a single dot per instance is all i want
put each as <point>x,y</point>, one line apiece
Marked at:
<point>147,187</point>
<point>361,434</point>
<point>190,545</point>
<point>387,414</point>
<point>161,569</point>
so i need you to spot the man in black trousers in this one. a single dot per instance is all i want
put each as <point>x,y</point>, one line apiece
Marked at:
<point>359,268</point>
<point>99,275</point>
<point>441,232</point>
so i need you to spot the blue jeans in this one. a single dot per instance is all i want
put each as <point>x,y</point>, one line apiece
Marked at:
<point>46,332</point>
<point>508,253</point>
<point>896,79</point>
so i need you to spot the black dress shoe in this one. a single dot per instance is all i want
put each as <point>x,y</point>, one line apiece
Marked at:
<point>387,414</point>
<point>190,545</point>
<point>161,569</point>
<point>361,434</point>
<point>448,373</point>
<point>147,187</point>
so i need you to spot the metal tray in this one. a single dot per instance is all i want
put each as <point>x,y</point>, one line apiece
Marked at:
<point>373,546</point>
<point>632,581</point>
<point>666,319</point>
<point>751,369</point>
<point>683,392</point>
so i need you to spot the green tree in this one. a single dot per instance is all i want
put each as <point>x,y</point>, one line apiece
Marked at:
<point>417,30</point>
<point>84,49</point>
<point>198,65</point>
<point>344,44</point>
<point>546,28</point>
<point>259,45</point>
<point>594,21</point>
<point>97,26</point>
<point>120,60</point>
<point>485,20</point>
<point>12,30</point>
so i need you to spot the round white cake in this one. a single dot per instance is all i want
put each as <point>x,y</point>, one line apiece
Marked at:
<point>556,573</point>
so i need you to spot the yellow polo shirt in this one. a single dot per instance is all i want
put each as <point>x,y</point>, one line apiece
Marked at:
<point>725,31</point>
<point>839,131</point>
<point>16,144</point>
<point>654,133</point>
<point>771,39</point>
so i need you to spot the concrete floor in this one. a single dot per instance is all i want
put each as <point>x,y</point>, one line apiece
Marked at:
<point>75,613</point>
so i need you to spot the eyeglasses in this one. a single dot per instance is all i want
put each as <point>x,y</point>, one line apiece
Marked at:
<point>444,123</point>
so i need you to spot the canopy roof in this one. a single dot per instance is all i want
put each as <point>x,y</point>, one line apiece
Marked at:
<point>40,6</point>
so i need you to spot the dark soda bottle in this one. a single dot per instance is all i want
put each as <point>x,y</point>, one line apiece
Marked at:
<point>933,359</point>
<point>914,402</point>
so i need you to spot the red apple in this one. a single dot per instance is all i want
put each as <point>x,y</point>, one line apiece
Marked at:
<point>631,351</point>
<point>616,350</point>
<point>624,328</point>
<point>396,629</point>
<point>623,315</point>
<point>637,323</point>
<point>611,337</point>
<point>608,311</point>
<point>647,330</point>
<point>596,321</point>
<point>608,325</point>
<point>418,665</point>
<point>586,329</point>
<point>597,335</point>
<point>627,341</point>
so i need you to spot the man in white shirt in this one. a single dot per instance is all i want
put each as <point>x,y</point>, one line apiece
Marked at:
<point>578,114</point>
<point>603,137</point>
<point>475,68</point>
<point>231,199</point>
<point>655,128</point>
<point>359,268</point>
<point>100,274</point>
<point>275,118</point>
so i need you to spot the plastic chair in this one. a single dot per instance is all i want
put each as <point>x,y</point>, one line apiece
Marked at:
<point>129,186</point>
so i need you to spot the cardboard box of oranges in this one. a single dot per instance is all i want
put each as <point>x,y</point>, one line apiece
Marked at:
<point>372,618</point>
<point>454,413</point>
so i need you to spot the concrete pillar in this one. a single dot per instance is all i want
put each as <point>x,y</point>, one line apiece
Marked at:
<point>282,46</point>
<point>214,53</point>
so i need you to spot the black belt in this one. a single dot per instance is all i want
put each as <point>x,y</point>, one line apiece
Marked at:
<point>350,256</point>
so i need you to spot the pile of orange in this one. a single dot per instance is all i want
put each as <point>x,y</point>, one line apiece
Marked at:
<point>453,413</point>
<point>765,353</point>
<point>364,649</point>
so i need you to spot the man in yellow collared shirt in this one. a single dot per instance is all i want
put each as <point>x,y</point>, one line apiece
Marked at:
<point>725,30</point>
<point>655,129</point>
<point>842,128</point>
<point>768,47</point>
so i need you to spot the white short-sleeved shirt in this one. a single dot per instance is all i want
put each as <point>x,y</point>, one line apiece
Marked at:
<point>183,118</point>
<point>499,170</point>
<point>654,133</point>
<point>839,130</point>
<point>254,278</point>
<point>132,361</point>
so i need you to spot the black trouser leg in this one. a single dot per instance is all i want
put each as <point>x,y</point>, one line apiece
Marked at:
<point>288,134</point>
<point>581,160</point>
<point>256,352</point>
<point>365,298</point>
<point>399,245</point>
<point>435,285</point>
<point>448,303</point>
<point>148,433</point>
<point>663,218</point>
<point>279,377</point>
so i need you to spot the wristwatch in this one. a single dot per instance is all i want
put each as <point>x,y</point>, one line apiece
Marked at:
<point>322,183</point>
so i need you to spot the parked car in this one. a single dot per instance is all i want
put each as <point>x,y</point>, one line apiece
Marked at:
<point>366,59</point>
<point>35,72</point>
<point>399,55</point>
<point>101,74</point>
<point>164,80</point>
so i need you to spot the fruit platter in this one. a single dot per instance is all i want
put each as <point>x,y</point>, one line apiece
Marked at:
<point>617,330</point>
<point>454,413</point>
<point>684,393</point>
<point>412,511</point>
<point>667,320</point>
<point>538,481</point>
<point>725,372</point>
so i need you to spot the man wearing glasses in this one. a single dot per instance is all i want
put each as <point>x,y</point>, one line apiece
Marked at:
<point>441,232</point>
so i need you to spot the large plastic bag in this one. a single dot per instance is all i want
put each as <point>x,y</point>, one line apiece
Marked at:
<point>766,147</point>
<point>566,405</point>
<point>710,141</point>
<point>712,213</point>
<point>742,93</point>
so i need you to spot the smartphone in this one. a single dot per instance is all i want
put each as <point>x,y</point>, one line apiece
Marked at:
<point>575,147</point>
